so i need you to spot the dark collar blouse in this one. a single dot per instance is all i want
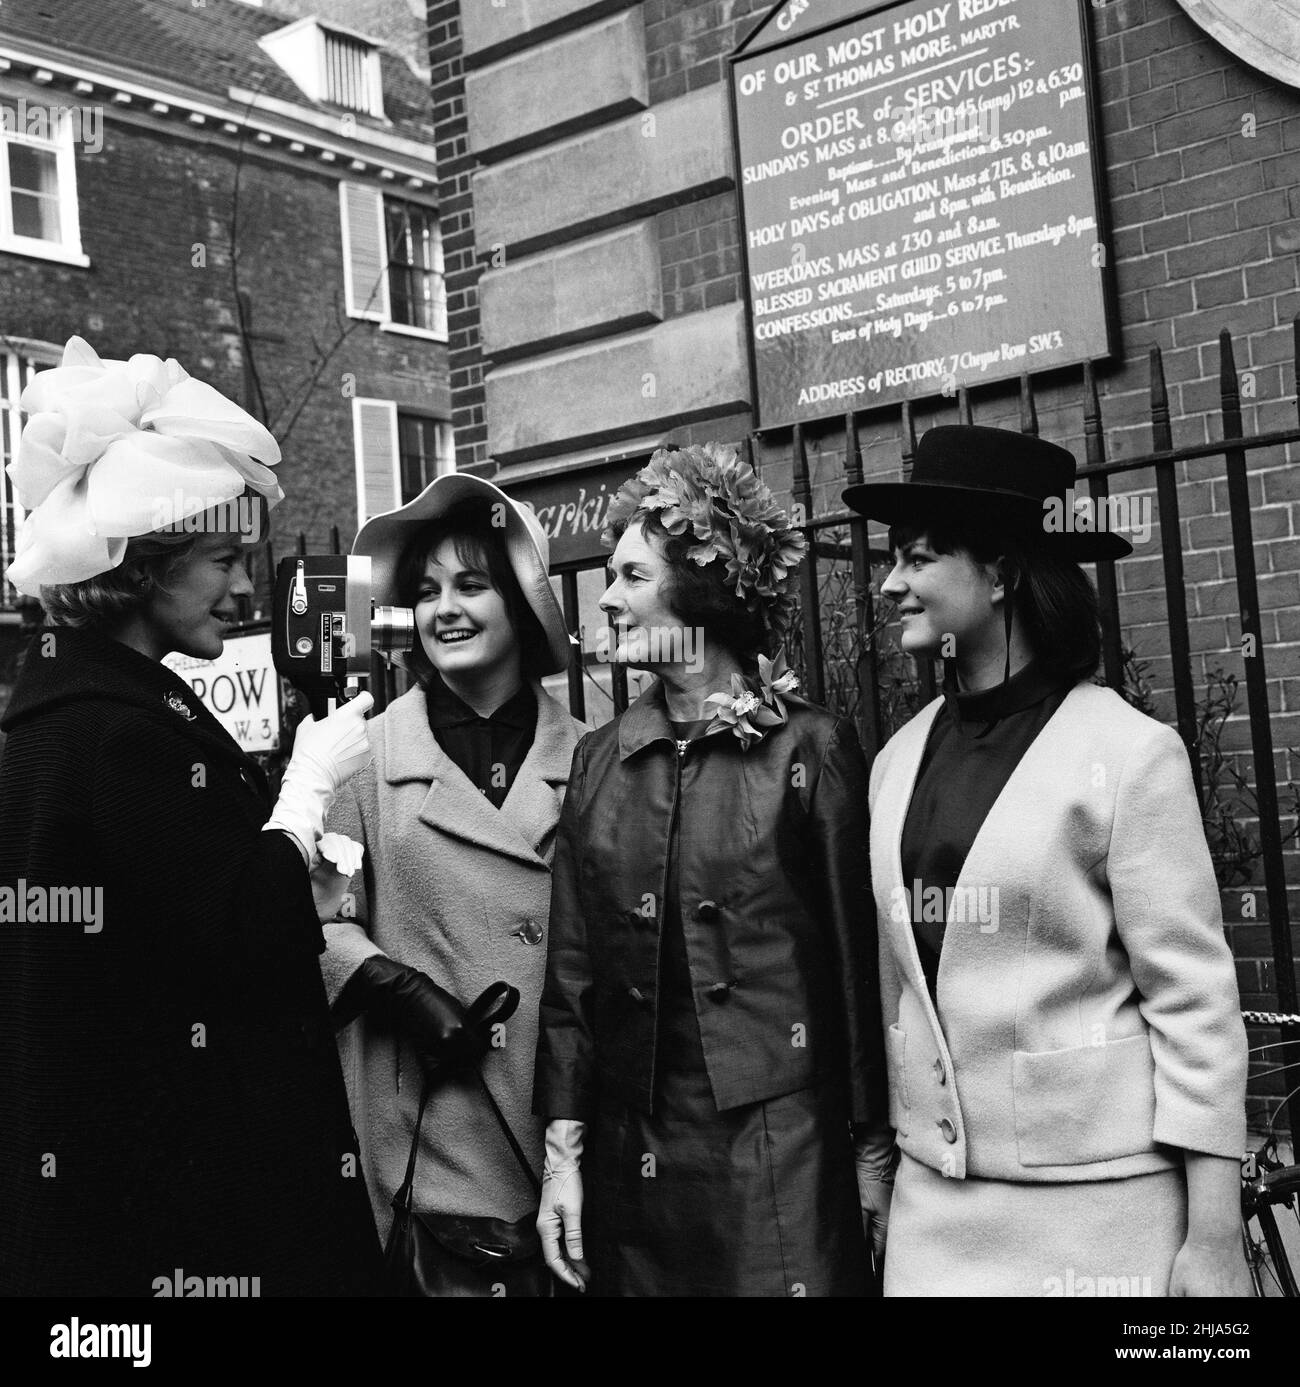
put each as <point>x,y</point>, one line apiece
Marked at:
<point>976,743</point>
<point>488,750</point>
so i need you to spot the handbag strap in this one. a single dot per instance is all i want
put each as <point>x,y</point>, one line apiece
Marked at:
<point>404,1193</point>
<point>534,1183</point>
<point>408,1183</point>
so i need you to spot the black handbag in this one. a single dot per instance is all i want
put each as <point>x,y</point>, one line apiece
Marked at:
<point>456,1254</point>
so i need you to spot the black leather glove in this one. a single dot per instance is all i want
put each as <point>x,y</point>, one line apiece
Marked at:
<point>410,1003</point>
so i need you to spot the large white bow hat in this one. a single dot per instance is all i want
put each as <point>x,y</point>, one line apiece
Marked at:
<point>115,449</point>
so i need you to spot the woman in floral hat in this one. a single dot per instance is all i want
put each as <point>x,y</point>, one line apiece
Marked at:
<point>710,1056</point>
<point>173,1119</point>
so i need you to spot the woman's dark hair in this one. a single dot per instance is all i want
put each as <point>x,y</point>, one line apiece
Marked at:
<point>1054,597</point>
<point>479,544</point>
<point>699,596</point>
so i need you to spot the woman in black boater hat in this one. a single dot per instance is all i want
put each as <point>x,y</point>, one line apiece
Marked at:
<point>1067,1060</point>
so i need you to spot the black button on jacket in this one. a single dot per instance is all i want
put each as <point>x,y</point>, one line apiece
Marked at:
<point>774,839</point>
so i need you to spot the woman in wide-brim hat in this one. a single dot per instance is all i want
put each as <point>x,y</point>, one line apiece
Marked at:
<point>458,817</point>
<point>171,1109</point>
<point>1067,1059</point>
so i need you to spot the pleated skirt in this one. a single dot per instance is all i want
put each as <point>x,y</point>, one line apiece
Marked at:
<point>997,1238</point>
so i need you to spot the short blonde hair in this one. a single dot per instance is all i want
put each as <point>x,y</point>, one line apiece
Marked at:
<point>110,598</point>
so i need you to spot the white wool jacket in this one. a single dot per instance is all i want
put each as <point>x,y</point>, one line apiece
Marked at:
<point>451,886</point>
<point>1090,1019</point>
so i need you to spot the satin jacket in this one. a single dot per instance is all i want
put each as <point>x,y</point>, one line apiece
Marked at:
<point>774,894</point>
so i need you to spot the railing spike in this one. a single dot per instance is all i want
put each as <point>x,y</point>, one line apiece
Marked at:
<point>909,436</point>
<point>1162,438</point>
<point>1028,408</point>
<point>1229,390</point>
<point>852,450</point>
<point>1092,436</point>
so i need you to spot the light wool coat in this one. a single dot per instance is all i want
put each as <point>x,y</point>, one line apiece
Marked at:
<point>448,882</point>
<point>1092,1022</point>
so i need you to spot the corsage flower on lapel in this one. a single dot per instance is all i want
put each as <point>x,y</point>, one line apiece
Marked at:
<point>751,710</point>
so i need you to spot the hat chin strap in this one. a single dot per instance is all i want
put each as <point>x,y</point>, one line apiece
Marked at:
<point>1007,618</point>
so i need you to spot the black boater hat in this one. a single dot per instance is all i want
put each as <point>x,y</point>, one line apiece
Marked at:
<point>1010,482</point>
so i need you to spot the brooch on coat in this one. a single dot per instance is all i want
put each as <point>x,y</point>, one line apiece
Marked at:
<point>753,708</point>
<point>178,705</point>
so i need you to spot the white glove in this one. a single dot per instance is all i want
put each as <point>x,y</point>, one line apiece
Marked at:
<point>332,869</point>
<point>873,1159</point>
<point>561,1204</point>
<point>327,753</point>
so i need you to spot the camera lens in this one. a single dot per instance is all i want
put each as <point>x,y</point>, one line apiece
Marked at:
<point>392,628</point>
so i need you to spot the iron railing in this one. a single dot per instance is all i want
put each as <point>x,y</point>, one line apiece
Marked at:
<point>868,690</point>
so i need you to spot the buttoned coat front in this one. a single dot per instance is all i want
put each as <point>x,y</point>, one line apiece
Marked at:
<point>1090,1014</point>
<point>774,898</point>
<point>461,891</point>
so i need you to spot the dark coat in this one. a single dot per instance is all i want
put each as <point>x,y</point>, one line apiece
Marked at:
<point>775,905</point>
<point>171,1095</point>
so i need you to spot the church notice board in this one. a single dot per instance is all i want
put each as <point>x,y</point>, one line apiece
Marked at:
<point>920,200</point>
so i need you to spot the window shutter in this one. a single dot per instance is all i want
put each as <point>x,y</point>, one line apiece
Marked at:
<point>374,431</point>
<point>365,257</point>
<point>446,459</point>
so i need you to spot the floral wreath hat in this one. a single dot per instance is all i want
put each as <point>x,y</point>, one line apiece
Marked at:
<point>706,490</point>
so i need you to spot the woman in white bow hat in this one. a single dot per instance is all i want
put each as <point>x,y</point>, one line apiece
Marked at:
<point>458,816</point>
<point>173,1113</point>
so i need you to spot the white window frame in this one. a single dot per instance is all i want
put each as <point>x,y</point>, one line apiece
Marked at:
<point>382,310</point>
<point>409,329</point>
<point>20,358</point>
<point>67,250</point>
<point>444,460</point>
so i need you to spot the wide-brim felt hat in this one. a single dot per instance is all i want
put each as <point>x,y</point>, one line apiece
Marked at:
<point>1009,483</point>
<point>384,539</point>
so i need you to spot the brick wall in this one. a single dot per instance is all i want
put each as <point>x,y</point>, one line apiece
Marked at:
<point>699,252</point>
<point>687,45</point>
<point>155,223</point>
<point>455,164</point>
